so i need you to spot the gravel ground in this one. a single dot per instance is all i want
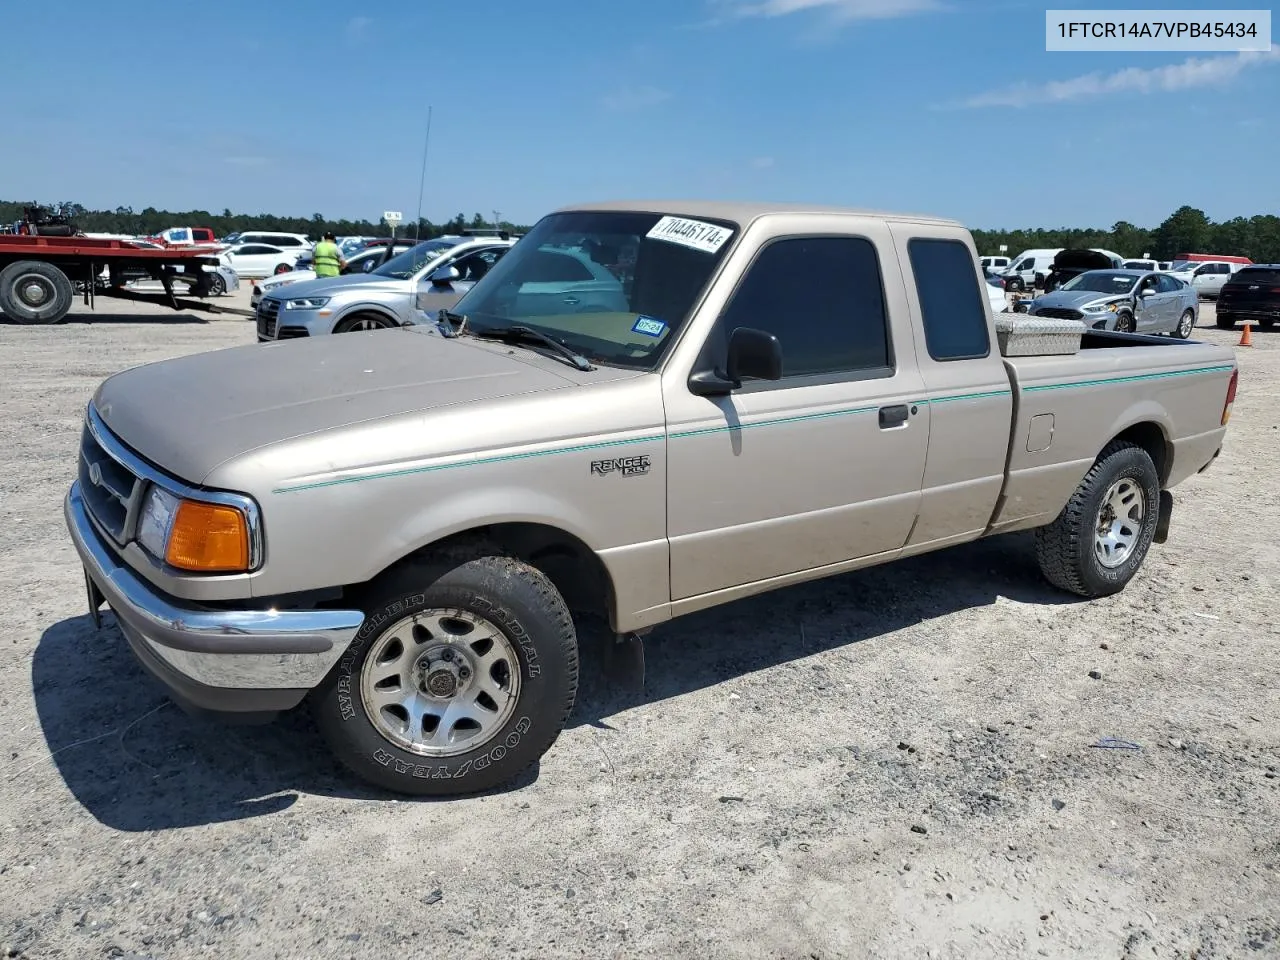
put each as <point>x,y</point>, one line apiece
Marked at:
<point>895,763</point>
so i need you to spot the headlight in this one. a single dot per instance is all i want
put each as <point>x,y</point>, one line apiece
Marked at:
<point>1113,307</point>
<point>193,534</point>
<point>306,303</point>
<point>157,516</point>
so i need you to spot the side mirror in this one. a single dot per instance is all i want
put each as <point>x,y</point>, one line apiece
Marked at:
<point>445,275</point>
<point>753,354</point>
<point>1147,292</point>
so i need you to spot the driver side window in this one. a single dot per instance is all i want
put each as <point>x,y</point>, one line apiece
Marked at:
<point>823,298</point>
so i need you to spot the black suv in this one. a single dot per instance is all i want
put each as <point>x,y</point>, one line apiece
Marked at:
<point>1252,294</point>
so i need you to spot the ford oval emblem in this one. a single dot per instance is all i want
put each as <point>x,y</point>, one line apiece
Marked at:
<point>95,474</point>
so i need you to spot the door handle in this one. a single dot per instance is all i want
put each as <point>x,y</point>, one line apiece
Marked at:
<point>572,301</point>
<point>894,416</point>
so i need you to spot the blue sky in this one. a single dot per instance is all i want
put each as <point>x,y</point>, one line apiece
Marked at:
<point>948,107</point>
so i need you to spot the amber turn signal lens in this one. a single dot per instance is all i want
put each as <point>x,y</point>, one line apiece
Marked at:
<point>208,537</point>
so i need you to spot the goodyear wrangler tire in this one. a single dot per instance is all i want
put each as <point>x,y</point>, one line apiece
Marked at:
<point>460,679</point>
<point>1101,537</point>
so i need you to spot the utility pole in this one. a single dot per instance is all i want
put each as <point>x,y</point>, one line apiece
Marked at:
<point>497,220</point>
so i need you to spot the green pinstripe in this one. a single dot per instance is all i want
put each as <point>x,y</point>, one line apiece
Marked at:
<point>708,431</point>
<point>1221,368</point>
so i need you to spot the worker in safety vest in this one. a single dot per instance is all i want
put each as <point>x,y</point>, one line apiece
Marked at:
<point>325,258</point>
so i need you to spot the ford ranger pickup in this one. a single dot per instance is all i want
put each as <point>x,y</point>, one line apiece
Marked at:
<point>393,526</point>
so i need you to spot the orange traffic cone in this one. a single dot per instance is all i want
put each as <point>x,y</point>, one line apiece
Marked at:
<point>1246,339</point>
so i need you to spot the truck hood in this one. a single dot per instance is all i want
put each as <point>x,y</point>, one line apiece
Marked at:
<point>329,286</point>
<point>1077,299</point>
<point>190,414</point>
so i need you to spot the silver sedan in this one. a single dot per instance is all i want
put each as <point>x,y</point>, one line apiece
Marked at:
<point>1130,301</point>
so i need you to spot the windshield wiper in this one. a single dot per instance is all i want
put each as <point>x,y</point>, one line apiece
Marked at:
<point>445,320</point>
<point>519,332</point>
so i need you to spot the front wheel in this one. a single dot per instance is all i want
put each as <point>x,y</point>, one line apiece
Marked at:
<point>461,678</point>
<point>1186,323</point>
<point>1097,543</point>
<point>363,321</point>
<point>1015,285</point>
<point>1124,323</point>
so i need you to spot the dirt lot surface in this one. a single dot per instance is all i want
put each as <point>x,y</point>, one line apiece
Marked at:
<point>902,762</point>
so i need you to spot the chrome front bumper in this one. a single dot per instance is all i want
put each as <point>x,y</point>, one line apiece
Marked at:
<point>227,661</point>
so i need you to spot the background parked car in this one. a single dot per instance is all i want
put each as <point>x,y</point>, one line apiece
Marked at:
<point>994,263</point>
<point>285,241</point>
<point>427,277</point>
<point>250,260</point>
<point>1207,278</point>
<point>1251,294</point>
<point>1131,301</point>
<point>364,261</point>
<point>995,294</point>
<point>1071,263</point>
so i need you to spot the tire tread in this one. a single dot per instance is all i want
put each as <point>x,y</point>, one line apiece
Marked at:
<point>1058,544</point>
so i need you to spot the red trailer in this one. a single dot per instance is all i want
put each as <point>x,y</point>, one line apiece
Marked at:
<point>39,275</point>
<point>1210,258</point>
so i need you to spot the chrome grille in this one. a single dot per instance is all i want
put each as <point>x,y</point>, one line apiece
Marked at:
<point>1059,313</point>
<point>268,310</point>
<point>111,490</point>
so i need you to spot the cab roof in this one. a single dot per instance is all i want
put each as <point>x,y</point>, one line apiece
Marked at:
<point>745,212</point>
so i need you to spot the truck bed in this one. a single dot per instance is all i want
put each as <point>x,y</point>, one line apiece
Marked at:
<point>1066,409</point>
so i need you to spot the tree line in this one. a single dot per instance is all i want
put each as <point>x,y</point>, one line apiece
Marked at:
<point>1187,230</point>
<point>150,221</point>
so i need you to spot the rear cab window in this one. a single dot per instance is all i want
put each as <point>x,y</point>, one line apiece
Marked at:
<point>952,307</point>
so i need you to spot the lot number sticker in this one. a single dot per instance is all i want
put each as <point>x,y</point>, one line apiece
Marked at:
<point>694,234</point>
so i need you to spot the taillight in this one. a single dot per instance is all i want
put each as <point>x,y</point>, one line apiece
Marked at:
<point>1231,395</point>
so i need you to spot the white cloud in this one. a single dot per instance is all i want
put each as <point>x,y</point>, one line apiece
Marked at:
<point>634,98</point>
<point>1189,74</point>
<point>357,27</point>
<point>844,10</point>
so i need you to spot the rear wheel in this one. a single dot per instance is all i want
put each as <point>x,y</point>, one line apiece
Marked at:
<point>1267,324</point>
<point>217,285</point>
<point>34,292</point>
<point>1186,323</point>
<point>1225,321</point>
<point>282,268</point>
<point>1015,285</point>
<point>1101,537</point>
<point>461,678</point>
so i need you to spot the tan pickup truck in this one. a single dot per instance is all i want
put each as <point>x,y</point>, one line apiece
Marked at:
<point>652,408</point>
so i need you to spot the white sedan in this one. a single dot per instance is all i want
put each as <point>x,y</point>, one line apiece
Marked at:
<point>251,260</point>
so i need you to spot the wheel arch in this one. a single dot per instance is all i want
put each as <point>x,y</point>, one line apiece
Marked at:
<point>573,566</point>
<point>1152,436</point>
<point>365,307</point>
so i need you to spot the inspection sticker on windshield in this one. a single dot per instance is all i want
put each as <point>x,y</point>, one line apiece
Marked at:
<point>694,234</point>
<point>649,326</point>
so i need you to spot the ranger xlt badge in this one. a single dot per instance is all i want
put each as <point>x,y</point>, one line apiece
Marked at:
<point>627,466</point>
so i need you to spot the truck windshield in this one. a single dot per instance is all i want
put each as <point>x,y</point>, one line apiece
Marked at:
<point>614,286</point>
<point>404,265</point>
<point>1102,281</point>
